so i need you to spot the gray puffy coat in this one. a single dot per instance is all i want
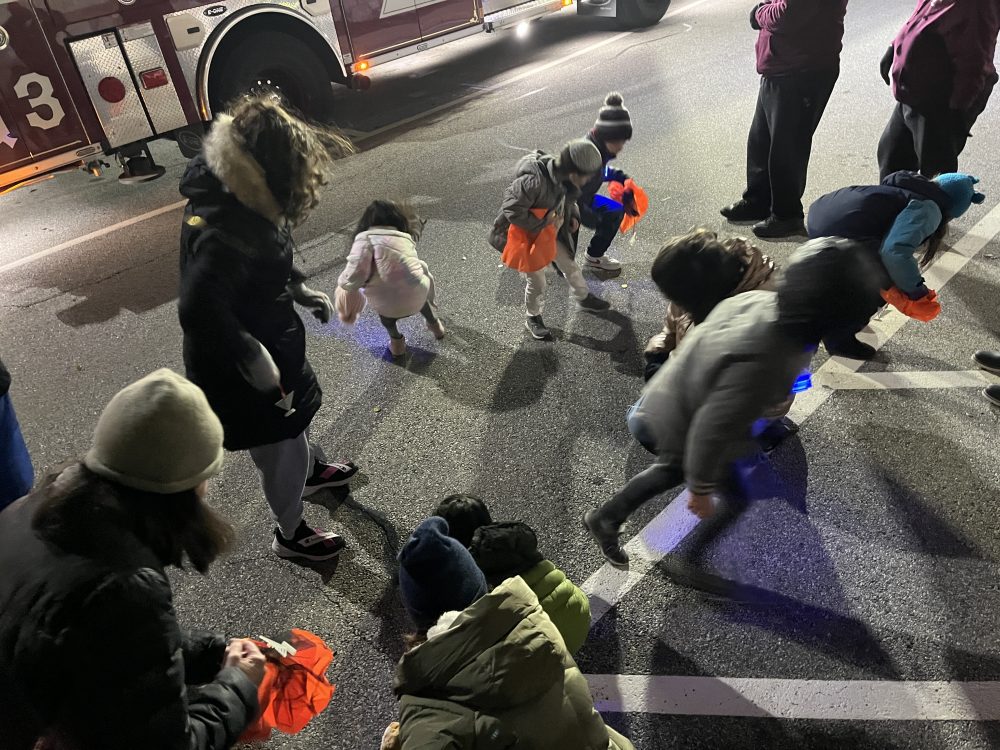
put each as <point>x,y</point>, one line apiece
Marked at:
<point>700,406</point>
<point>536,186</point>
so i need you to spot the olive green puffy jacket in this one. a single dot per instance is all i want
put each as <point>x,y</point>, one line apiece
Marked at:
<point>565,604</point>
<point>499,677</point>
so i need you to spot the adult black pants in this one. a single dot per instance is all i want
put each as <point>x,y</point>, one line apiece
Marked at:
<point>925,143</point>
<point>789,108</point>
<point>604,217</point>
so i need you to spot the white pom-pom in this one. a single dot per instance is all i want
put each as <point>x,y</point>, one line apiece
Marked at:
<point>614,99</point>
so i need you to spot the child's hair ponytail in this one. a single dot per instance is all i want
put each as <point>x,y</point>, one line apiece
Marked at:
<point>386,213</point>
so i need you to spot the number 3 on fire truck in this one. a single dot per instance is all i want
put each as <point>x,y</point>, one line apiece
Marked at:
<point>41,97</point>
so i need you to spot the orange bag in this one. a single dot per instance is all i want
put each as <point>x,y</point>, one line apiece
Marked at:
<point>924,309</point>
<point>294,689</point>
<point>530,252</point>
<point>640,202</point>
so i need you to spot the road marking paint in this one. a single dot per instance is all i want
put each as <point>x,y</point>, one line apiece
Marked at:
<point>92,236</point>
<point>830,700</point>
<point>855,381</point>
<point>608,585</point>
<point>530,93</point>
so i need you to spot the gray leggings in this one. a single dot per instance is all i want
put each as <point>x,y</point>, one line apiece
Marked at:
<point>284,468</point>
<point>390,323</point>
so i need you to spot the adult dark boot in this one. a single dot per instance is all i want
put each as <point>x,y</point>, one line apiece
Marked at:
<point>744,210</point>
<point>850,347</point>
<point>989,361</point>
<point>607,535</point>
<point>773,228</point>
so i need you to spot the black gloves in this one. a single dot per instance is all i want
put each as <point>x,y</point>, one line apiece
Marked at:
<point>886,65</point>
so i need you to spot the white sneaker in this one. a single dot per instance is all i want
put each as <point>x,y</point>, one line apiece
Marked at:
<point>604,263</point>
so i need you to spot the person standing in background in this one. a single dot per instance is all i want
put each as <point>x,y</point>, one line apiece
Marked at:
<point>16,474</point>
<point>940,67</point>
<point>798,58</point>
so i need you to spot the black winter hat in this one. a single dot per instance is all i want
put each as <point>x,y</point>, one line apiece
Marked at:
<point>437,574</point>
<point>830,285</point>
<point>505,550</point>
<point>613,121</point>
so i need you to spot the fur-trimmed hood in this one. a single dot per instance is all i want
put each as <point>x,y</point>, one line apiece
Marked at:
<point>227,158</point>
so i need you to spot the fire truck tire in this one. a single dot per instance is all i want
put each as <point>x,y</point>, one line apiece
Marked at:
<point>274,60</point>
<point>632,14</point>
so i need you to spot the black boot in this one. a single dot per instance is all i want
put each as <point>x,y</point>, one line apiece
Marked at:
<point>850,347</point>
<point>606,534</point>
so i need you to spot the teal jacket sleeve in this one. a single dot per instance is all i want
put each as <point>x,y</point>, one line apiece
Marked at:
<point>915,223</point>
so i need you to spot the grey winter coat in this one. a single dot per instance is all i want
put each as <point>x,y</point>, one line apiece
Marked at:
<point>536,186</point>
<point>700,406</point>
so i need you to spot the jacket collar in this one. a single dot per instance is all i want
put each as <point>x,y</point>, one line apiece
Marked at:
<point>229,160</point>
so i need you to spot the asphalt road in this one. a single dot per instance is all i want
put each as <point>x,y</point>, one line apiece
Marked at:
<point>872,552</point>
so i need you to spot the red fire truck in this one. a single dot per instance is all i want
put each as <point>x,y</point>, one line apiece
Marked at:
<point>80,79</point>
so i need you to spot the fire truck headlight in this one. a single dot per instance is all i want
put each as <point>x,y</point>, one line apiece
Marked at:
<point>523,29</point>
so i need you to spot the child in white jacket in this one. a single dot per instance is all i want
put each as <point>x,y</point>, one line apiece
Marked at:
<point>383,262</point>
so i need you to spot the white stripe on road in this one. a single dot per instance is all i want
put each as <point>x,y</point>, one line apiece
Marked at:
<point>609,585</point>
<point>891,381</point>
<point>830,700</point>
<point>92,236</point>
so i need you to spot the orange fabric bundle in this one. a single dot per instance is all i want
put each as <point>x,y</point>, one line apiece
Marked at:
<point>640,202</point>
<point>530,252</point>
<point>924,309</point>
<point>294,689</point>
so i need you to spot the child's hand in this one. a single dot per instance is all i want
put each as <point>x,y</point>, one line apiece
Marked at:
<point>701,505</point>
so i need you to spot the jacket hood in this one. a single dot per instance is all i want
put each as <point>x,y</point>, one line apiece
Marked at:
<point>537,163</point>
<point>504,550</point>
<point>829,285</point>
<point>493,657</point>
<point>758,268</point>
<point>225,167</point>
<point>914,182</point>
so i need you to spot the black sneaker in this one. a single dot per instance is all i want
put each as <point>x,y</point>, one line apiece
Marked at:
<point>536,327</point>
<point>329,475</point>
<point>593,303</point>
<point>992,394</point>
<point>989,361</point>
<point>849,347</point>
<point>607,537</point>
<point>773,228</point>
<point>308,544</point>
<point>744,210</point>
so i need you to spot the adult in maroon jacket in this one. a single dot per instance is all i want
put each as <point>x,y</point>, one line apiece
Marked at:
<point>940,67</point>
<point>798,58</point>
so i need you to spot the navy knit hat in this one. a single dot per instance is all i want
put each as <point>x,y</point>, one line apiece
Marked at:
<point>613,121</point>
<point>437,574</point>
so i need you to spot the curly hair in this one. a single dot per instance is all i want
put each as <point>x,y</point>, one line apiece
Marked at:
<point>296,155</point>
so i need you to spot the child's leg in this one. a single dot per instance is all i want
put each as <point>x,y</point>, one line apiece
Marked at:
<point>641,488</point>
<point>534,292</point>
<point>428,312</point>
<point>284,468</point>
<point>390,326</point>
<point>572,272</point>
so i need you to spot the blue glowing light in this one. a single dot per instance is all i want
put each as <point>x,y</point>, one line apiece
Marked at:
<point>803,382</point>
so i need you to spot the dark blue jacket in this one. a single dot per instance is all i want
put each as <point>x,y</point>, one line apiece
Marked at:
<point>899,214</point>
<point>607,174</point>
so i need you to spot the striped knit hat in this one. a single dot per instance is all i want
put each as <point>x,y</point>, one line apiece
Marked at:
<point>613,121</point>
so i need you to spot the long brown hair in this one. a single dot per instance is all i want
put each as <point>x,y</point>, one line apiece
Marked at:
<point>296,155</point>
<point>934,244</point>
<point>84,513</point>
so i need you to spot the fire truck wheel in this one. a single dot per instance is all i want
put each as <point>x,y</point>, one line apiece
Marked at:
<point>271,61</point>
<point>633,14</point>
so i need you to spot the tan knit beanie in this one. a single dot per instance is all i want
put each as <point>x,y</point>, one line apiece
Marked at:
<point>158,435</point>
